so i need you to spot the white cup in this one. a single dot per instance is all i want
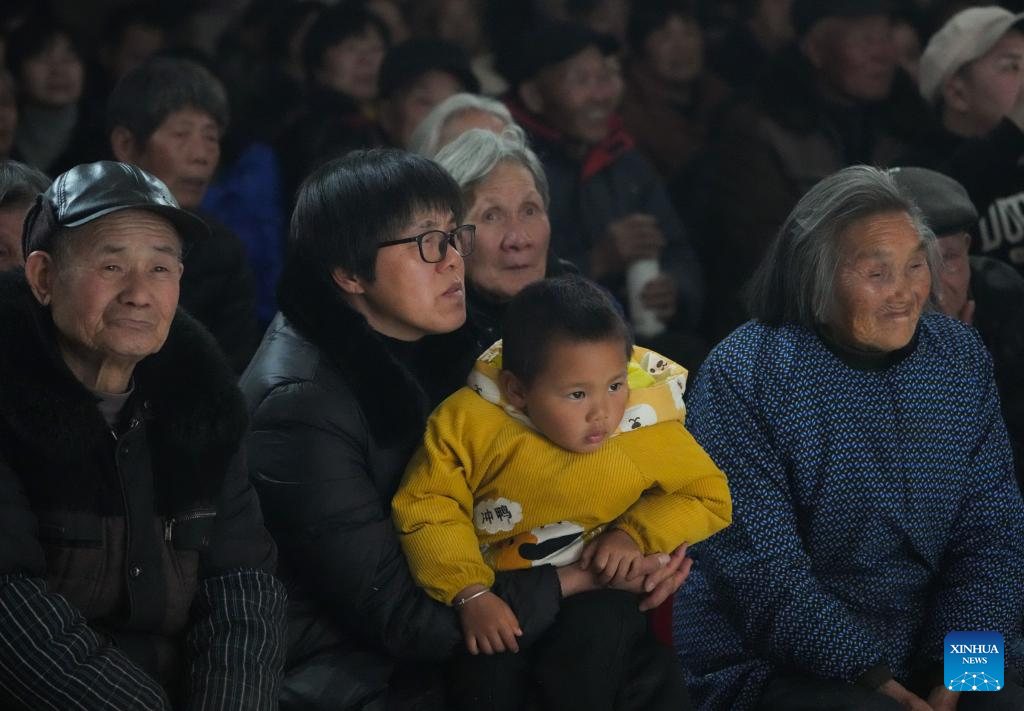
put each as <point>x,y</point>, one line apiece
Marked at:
<point>638,275</point>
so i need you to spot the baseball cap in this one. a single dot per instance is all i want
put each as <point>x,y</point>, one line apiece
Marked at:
<point>965,37</point>
<point>807,13</point>
<point>92,190</point>
<point>407,62</point>
<point>944,202</point>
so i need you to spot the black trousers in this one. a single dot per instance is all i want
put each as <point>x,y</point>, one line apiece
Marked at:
<point>598,655</point>
<point>796,693</point>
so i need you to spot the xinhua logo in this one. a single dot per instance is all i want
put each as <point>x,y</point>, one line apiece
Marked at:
<point>974,661</point>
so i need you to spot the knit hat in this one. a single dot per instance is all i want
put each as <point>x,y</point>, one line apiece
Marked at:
<point>968,35</point>
<point>807,13</point>
<point>944,202</point>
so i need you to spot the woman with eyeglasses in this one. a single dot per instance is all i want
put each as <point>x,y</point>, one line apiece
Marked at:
<point>372,299</point>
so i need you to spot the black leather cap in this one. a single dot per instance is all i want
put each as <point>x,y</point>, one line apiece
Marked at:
<point>944,202</point>
<point>92,190</point>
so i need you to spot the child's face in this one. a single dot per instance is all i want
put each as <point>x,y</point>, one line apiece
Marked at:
<point>577,400</point>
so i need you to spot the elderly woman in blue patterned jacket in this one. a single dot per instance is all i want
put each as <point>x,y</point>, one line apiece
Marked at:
<point>875,507</point>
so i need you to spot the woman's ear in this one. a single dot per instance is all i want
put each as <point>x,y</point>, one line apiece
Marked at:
<point>348,282</point>
<point>512,389</point>
<point>40,272</point>
<point>122,145</point>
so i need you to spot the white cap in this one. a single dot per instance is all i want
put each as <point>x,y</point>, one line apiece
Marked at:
<point>965,37</point>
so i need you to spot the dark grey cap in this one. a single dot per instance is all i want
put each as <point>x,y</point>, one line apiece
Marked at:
<point>807,13</point>
<point>92,190</point>
<point>944,202</point>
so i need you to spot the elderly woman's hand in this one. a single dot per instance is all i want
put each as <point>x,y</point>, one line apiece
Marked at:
<point>663,576</point>
<point>943,699</point>
<point>907,699</point>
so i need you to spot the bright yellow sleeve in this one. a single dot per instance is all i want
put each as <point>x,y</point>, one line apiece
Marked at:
<point>433,509</point>
<point>689,499</point>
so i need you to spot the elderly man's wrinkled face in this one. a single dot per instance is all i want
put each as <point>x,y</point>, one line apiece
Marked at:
<point>882,283</point>
<point>11,220</point>
<point>955,278</point>
<point>855,57</point>
<point>115,290</point>
<point>512,233</point>
<point>578,96</point>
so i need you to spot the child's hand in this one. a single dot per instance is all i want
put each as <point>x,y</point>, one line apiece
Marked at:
<point>613,556</point>
<point>488,623</point>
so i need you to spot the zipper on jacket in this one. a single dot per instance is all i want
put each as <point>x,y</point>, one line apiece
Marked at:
<point>192,516</point>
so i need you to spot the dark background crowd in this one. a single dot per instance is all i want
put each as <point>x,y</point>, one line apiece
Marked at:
<point>702,122</point>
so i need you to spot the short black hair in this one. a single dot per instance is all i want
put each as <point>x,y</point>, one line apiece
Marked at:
<point>647,16</point>
<point>20,184</point>
<point>157,88</point>
<point>347,206</point>
<point>570,308</point>
<point>333,26</point>
<point>37,34</point>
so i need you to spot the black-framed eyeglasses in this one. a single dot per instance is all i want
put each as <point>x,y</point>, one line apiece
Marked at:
<point>434,244</point>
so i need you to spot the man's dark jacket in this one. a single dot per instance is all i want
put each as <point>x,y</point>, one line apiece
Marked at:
<point>998,293</point>
<point>218,288</point>
<point>135,571</point>
<point>336,415</point>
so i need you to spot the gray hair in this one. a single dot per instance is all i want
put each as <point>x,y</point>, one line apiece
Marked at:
<point>795,282</point>
<point>473,156</point>
<point>19,184</point>
<point>426,137</point>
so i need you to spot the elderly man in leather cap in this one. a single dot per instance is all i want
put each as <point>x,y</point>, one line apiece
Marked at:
<point>135,571</point>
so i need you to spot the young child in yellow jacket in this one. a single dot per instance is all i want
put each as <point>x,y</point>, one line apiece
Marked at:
<point>567,444</point>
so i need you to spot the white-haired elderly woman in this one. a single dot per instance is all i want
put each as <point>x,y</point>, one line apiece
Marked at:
<point>875,506</point>
<point>506,196</point>
<point>453,117</point>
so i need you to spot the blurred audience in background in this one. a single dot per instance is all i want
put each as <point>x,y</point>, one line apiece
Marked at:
<point>679,131</point>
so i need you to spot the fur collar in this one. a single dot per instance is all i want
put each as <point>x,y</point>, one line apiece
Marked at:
<point>194,411</point>
<point>395,388</point>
